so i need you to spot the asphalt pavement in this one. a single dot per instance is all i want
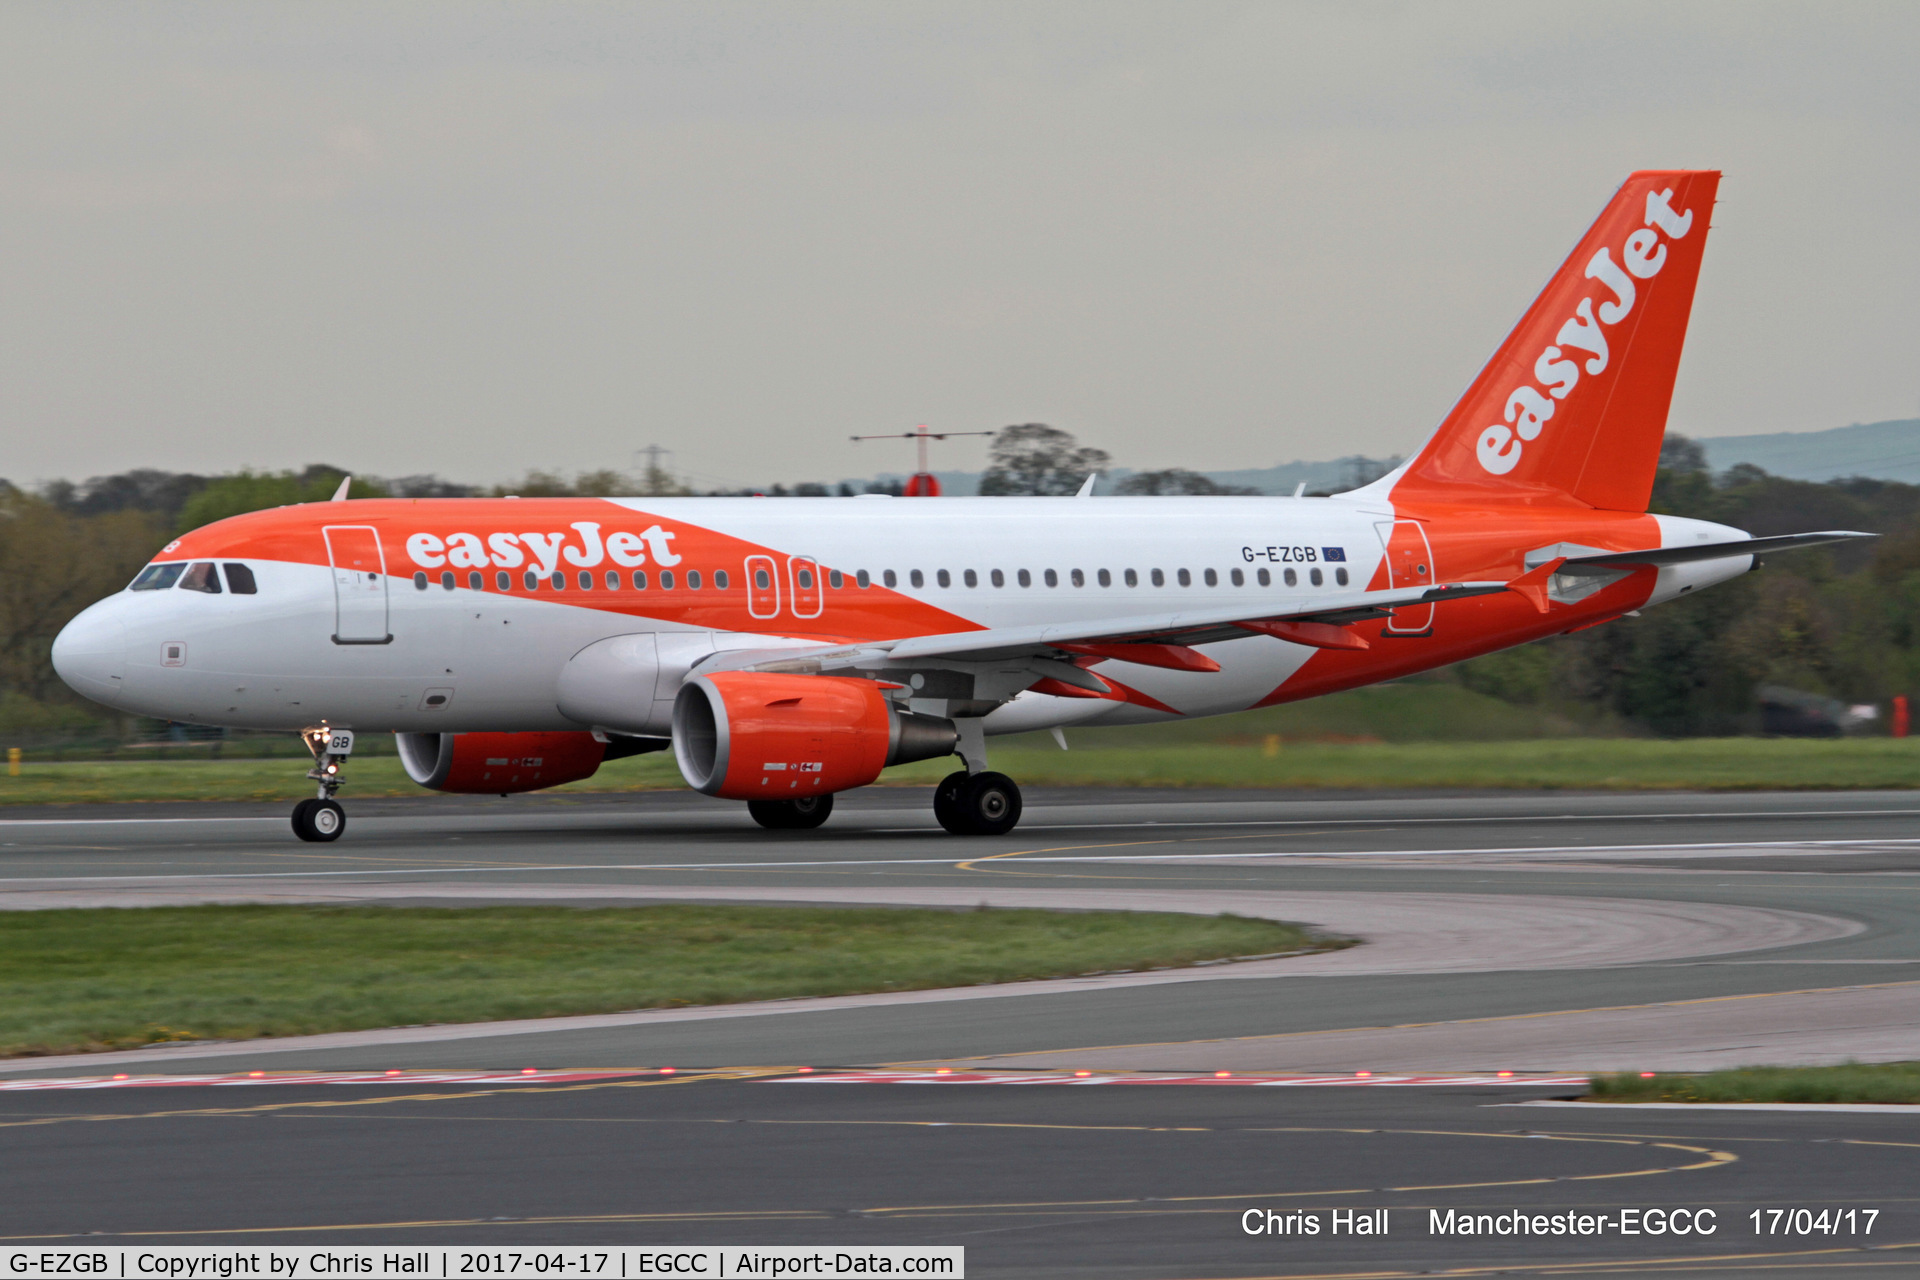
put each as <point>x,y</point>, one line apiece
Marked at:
<point>1523,932</point>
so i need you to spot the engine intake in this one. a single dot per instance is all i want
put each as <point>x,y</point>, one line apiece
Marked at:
<point>749,735</point>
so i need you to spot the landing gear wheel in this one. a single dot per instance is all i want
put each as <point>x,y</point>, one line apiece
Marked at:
<point>988,805</point>
<point>319,821</point>
<point>803,814</point>
<point>946,801</point>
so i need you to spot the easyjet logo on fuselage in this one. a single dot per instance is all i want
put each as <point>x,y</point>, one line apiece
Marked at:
<point>1528,407</point>
<point>586,548</point>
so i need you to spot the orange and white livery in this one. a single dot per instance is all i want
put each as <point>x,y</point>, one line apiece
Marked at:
<point>786,651</point>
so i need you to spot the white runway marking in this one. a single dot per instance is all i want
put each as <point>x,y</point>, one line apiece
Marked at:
<point>1735,846</point>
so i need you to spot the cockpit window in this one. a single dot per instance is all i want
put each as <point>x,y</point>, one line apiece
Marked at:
<point>201,577</point>
<point>156,577</point>
<point>240,580</point>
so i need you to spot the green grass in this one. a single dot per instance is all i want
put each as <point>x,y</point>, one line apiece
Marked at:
<point>74,981</point>
<point>1626,764</point>
<point>1880,1082</point>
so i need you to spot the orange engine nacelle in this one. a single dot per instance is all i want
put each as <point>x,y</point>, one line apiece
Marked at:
<point>498,763</point>
<point>747,735</point>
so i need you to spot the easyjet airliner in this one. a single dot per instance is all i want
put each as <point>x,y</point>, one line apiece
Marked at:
<point>786,651</point>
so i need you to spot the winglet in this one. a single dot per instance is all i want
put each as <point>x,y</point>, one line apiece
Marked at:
<point>340,494</point>
<point>1531,586</point>
<point>1086,488</point>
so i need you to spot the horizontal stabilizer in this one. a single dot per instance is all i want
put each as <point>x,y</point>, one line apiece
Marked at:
<point>1717,550</point>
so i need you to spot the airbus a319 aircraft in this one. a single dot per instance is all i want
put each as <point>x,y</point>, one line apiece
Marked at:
<point>788,651</point>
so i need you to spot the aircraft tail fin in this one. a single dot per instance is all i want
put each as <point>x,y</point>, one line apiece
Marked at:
<point>1574,404</point>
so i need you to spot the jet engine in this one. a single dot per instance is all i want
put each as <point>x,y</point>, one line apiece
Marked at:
<point>500,763</point>
<point>746,735</point>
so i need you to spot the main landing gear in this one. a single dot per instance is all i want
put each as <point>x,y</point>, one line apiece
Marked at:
<point>977,804</point>
<point>802,814</point>
<point>321,819</point>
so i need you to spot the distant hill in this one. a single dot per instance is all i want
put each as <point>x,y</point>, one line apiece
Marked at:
<point>1882,450</point>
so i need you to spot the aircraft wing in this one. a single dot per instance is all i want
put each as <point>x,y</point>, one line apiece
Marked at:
<point>1188,627</point>
<point>1041,641</point>
<point>1717,550</point>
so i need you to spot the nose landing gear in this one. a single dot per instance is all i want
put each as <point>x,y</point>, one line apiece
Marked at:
<point>321,819</point>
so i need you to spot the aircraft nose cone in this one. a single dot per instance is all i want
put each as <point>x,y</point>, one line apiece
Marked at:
<point>89,654</point>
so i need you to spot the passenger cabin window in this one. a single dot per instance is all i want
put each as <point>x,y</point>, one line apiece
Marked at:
<point>805,576</point>
<point>1159,578</point>
<point>613,580</point>
<point>889,579</point>
<point>1317,578</point>
<point>1213,578</point>
<point>156,577</point>
<point>420,580</point>
<point>446,580</point>
<point>1133,578</point>
<point>1079,577</point>
<point>971,578</point>
<point>1053,579</point>
<point>1106,578</point>
<point>1265,578</point>
<point>639,582</point>
<point>693,579</point>
<point>761,580</point>
<point>917,578</point>
<point>944,578</point>
<point>1293,579</point>
<point>559,581</point>
<point>532,580</point>
<point>861,580</point>
<point>998,578</point>
<point>835,579</point>
<point>666,579</point>
<point>1340,576</point>
<point>1186,579</point>
<point>503,580</point>
<point>240,580</point>
<point>1239,578</point>
<point>720,579</point>
<point>1024,578</point>
<point>201,577</point>
<point>586,580</point>
<point>476,580</point>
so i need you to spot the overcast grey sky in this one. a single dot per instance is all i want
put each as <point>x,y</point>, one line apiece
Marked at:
<point>475,239</point>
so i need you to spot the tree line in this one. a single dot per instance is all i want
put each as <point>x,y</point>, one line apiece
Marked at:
<point>1842,622</point>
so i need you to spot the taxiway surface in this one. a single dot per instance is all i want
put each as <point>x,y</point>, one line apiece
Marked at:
<point>1525,932</point>
<point>1504,932</point>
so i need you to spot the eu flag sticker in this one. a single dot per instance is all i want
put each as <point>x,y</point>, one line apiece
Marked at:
<point>1333,553</point>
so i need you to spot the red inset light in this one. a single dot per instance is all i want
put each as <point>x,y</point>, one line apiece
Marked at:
<point>943,1071</point>
<point>1363,1075</point>
<point>1505,1075</point>
<point>805,1071</point>
<point>1083,1073</point>
<point>1646,1075</point>
<point>256,1074</point>
<point>1222,1075</point>
<point>393,1073</point>
<point>121,1076</point>
<point>666,1071</point>
<point>529,1071</point>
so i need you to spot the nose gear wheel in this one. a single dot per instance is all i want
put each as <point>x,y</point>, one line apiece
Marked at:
<point>319,821</point>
